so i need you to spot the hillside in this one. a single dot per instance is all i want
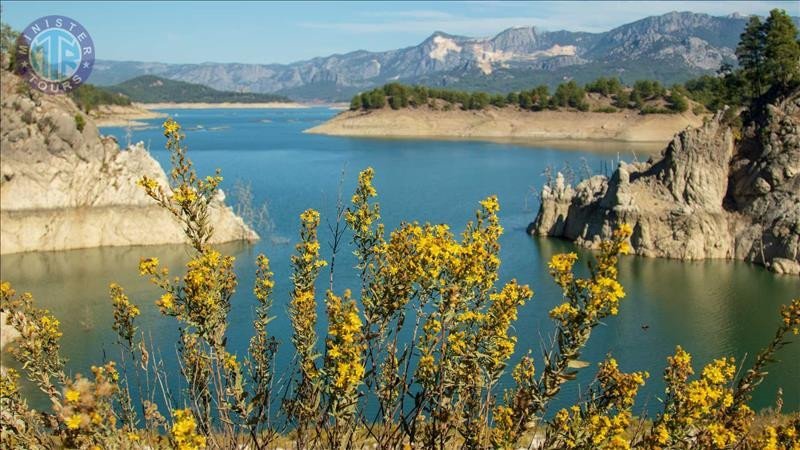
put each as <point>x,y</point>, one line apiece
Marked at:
<point>669,48</point>
<point>154,89</point>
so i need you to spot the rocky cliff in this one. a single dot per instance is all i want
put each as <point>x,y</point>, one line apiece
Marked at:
<point>708,195</point>
<point>64,186</point>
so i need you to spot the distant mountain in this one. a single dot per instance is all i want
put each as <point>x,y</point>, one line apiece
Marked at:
<point>668,48</point>
<point>154,89</point>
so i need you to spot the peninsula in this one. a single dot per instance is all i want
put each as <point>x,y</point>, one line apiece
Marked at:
<point>604,110</point>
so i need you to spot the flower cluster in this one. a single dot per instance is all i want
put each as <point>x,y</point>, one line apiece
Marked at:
<point>344,344</point>
<point>87,412</point>
<point>362,215</point>
<point>575,428</point>
<point>184,431</point>
<point>306,264</point>
<point>187,197</point>
<point>303,306</point>
<point>124,314</point>
<point>344,367</point>
<point>495,327</point>
<point>700,410</point>
<point>560,266</point>
<point>619,388</point>
<point>791,316</point>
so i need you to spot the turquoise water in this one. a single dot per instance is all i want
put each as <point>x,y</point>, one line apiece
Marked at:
<point>711,308</point>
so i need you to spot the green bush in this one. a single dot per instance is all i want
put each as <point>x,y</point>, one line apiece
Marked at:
<point>80,122</point>
<point>655,110</point>
<point>606,109</point>
<point>677,101</point>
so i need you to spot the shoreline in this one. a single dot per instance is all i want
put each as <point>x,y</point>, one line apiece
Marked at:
<point>510,125</point>
<point>224,105</point>
<point>133,115</point>
<point>123,116</point>
<point>609,146</point>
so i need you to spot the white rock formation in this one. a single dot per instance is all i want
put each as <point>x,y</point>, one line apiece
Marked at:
<point>64,188</point>
<point>707,197</point>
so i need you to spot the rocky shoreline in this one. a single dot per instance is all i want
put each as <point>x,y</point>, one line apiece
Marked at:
<point>709,195</point>
<point>64,186</point>
<point>509,122</point>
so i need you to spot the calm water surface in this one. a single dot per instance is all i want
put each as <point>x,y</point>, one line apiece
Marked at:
<point>711,308</point>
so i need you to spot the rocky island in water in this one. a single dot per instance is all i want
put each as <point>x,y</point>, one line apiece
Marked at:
<point>709,195</point>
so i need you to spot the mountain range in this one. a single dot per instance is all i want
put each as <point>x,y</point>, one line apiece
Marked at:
<point>669,48</point>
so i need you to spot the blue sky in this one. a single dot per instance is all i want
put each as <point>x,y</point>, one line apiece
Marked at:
<point>282,32</point>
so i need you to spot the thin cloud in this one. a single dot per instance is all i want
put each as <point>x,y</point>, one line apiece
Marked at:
<point>466,26</point>
<point>411,14</point>
<point>489,18</point>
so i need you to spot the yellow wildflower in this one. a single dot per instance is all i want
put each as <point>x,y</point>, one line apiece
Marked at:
<point>74,421</point>
<point>72,396</point>
<point>171,127</point>
<point>148,266</point>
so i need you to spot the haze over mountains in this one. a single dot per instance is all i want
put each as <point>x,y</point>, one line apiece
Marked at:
<point>670,48</point>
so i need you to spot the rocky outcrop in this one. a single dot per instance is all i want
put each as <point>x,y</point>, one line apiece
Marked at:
<point>63,186</point>
<point>707,196</point>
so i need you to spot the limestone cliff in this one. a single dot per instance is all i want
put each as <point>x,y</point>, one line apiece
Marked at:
<point>707,196</point>
<point>64,186</point>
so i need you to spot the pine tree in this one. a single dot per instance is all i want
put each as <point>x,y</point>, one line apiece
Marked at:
<point>781,49</point>
<point>355,103</point>
<point>750,54</point>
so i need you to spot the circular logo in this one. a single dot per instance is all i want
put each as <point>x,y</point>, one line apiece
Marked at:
<point>55,54</point>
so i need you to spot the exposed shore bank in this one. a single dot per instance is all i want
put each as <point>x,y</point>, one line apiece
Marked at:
<point>509,123</point>
<point>64,186</point>
<point>133,115</point>
<point>225,105</point>
<point>123,116</point>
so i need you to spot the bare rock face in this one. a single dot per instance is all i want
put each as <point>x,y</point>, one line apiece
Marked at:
<point>706,197</point>
<point>62,187</point>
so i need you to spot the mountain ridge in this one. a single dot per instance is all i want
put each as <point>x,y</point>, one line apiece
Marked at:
<point>670,48</point>
<point>155,89</point>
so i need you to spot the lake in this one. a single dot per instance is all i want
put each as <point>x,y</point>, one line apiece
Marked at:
<point>711,308</point>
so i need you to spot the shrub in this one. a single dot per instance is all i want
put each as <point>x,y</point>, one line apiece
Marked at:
<point>605,86</point>
<point>655,110</point>
<point>80,122</point>
<point>677,101</point>
<point>569,94</point>
<point>606,109</point>
<point>426,341</point>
